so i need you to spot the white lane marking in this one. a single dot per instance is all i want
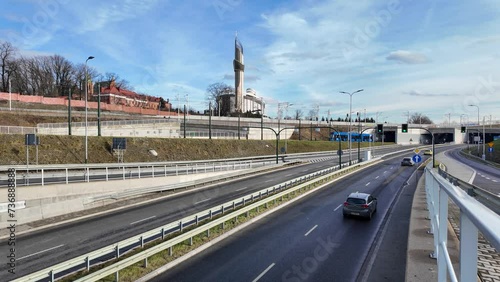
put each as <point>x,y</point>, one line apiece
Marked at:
<point>377,177</point>
<point>202,201</point>
<point>494,180</point>
<point>143,219</point>
<point>263,273</point>
<point>482,176</point>
<point>392,167</point>
<point>385,171</point>
<point>268,180</point>
<point>291,174</point>
<point>367,184</point>
<point>488,178</point>
<point>242,188</point>
<point>40,252</point>
<point>305,170</point>
<point>337,207</point>
<point>311,230</point>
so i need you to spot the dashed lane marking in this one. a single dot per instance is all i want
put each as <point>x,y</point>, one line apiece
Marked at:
<point>311,230</point>
<point>143,219</point>
<point>37,253</point>
<point>263,273</point>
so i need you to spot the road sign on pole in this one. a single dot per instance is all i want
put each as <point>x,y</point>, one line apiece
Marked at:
<point>416,151</point>
<point>490,149</point>
<point>416,158</point>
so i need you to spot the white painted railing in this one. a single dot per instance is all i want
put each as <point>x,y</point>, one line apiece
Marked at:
<point>474,217</point>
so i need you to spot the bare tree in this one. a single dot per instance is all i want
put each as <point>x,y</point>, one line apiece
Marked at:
<point>214,93</point>
<point>419,118</point>
<point>298,114</point>
<point>7,53</point>
<point>63,71</point>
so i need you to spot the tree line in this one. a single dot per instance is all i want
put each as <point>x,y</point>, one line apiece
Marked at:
<point>48,76</point>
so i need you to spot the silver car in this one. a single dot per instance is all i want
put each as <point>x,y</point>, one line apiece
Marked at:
<point>407,161</point>
<point>360,204</point>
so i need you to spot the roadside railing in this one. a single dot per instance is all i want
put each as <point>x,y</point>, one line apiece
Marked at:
<point>116,250</point>
<point>71,173</point>
<point>474,217</point>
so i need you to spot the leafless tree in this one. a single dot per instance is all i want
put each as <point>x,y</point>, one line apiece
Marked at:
<point>298,114</point>
<point>419,118</point>
<point>62,70</point>
<point>7,53</point>
<point>214,93</point>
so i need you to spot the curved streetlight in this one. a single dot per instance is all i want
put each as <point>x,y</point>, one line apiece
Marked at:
<point>350,119</point>
<point>478,135</point>
<point>86,121</point>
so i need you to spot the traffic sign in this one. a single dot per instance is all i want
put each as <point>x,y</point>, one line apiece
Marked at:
<point>416,158</point>
<point>491,144</point>
<point>416,151</point>
<point>490,149</point>
<point>339,152</point>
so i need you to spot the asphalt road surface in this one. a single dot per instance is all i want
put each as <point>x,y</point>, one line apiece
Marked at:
<point>310,240</point>
<point>42,249</point>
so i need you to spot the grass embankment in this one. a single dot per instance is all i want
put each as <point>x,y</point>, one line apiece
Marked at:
<point>71,149</point>
<point>55,149</point>
<point>492,157</point>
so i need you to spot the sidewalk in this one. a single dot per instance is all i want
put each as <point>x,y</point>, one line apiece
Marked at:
<point>419,265</point>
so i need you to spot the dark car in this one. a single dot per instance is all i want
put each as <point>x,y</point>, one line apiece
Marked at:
<point>360,204</point>
<point>407,161</point>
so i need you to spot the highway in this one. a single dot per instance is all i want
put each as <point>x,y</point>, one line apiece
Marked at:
<point>311,241</point>
<point>486,177</point>
<point>38,250</point>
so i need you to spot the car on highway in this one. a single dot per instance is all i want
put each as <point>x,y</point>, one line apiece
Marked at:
<point>407,161</point>
<point>428,152</point>
<point>360,204</point>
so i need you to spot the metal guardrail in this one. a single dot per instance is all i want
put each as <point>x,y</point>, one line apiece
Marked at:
<point>474,217</point>
<point>113,251</point>
<point>70,173</point>
<point>487,198</point>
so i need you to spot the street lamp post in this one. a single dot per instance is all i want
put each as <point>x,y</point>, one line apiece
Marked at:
<point>10,94</point>
<point>86,121</point>
<point>350,119</point>
<point>478,135</point>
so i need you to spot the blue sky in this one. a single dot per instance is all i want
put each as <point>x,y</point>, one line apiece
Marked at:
<point>428,56</point>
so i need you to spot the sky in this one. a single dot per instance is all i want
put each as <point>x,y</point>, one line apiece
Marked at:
<point>429,56</point>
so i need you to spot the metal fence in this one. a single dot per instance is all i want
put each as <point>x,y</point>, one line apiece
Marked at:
<point>474,217</point>
<point>65,174</point>
<point>17,130</point>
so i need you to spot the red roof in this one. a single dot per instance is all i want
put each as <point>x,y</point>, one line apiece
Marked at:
<point>112,89</point>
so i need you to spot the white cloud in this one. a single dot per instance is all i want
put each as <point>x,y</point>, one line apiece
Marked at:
<point>407,57</point>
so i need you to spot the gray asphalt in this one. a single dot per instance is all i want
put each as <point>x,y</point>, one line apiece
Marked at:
<point>42,249</point>
<point>335,249</point>
<point>487,177</point>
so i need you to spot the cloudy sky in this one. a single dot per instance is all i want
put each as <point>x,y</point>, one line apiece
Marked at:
<point>428,56</point>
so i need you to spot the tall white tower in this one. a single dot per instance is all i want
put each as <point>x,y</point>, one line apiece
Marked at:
<point>239,69</point>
